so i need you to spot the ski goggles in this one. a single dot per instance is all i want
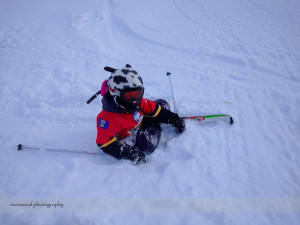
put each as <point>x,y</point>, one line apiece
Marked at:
<point>132,95</point>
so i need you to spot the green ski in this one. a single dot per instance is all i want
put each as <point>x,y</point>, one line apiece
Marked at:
<point>211,119</point>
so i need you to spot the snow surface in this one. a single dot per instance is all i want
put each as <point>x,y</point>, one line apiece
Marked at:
<point>235,57</point>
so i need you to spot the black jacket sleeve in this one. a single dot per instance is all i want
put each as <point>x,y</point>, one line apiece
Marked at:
<point>120,151</point>
<point>163,116</point>
<point>168,117</point>
<point>115,149</point>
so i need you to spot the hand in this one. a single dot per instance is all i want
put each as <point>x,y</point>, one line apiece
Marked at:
<point>136,157</point>
<point>177,122</point>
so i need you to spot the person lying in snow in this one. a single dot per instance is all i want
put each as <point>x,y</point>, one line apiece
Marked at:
<point>128,127</point>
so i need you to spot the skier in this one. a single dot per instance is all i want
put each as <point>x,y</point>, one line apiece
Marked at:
<point>128,127</point>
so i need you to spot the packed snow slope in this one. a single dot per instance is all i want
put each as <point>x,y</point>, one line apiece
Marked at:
<point>233,57</point>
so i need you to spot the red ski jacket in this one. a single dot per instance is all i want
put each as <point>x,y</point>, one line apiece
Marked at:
<point>114,124</point>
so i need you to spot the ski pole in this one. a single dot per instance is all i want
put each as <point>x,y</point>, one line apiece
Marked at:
<point>169,75</point>
<point>20,147</point>
<point>93,97</point>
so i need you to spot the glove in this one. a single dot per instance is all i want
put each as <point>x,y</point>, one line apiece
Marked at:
<point>177,122</point>
<point>133,154</point>
<point>137,157</point>
<point>124,151</point>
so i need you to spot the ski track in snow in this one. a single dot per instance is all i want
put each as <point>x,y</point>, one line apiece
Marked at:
<point>235,57</point>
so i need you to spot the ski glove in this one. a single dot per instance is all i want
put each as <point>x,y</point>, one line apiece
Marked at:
<point>167,116</point>
<point>136,156</point>
<point>123,151</point>
<point>177,122</point>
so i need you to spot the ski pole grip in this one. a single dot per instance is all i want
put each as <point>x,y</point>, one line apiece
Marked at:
<point>20,146</point>
<point>93,97</point>
<point>168,74</point>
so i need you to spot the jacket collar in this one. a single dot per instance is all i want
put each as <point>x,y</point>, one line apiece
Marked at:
<point>109,105</point>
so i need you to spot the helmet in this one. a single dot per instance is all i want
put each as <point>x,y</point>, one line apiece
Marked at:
<point>126,87</point>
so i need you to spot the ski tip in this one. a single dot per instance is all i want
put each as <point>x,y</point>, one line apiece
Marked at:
<point>231,120</point>
<point>20,146</point>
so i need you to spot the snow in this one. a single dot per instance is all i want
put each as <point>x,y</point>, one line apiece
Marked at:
<point>232,57</point>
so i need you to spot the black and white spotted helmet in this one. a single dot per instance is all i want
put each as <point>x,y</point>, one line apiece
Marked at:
<point>123,79</point>
<point>126,87</point>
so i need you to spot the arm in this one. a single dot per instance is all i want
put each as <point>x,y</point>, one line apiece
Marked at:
<point>122,151</point>
<point>162,115</point>
<point>168,117</point>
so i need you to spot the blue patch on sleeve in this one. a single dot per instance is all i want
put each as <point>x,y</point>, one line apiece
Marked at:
<point>103,124</point>
<point>138,117</point>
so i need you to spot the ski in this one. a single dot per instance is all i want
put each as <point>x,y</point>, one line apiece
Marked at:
<point>211,119</point>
